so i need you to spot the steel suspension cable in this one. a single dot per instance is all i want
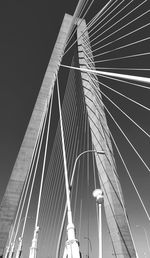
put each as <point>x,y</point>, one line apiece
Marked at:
<point>115,179</point>
<point>43,169</point>
<point>92,21</point>
<point>121,198</point>
<point>124,46</point>
<point>135,150</point>
<point>99,15</point>
<point>111,74</point>
<point>123,25</point>
<point>24,192</point>
<point>33,180</point>
<point>123,69</point>
<point>127,82</point>
<point>125,114</point>
<point>54,195</point>
<point>19,220</point>
<point>65,210</point>
<point>122,201</point>
<point>95,88</point>
<point>17,214</point>
<point>44,202</point>
<point>79,22</point>
<point>60,178</point>
<point>80,218</point>
<point>130,177</point>
<point>57,182</point>
<point>122,37</point>
<point>69,136</point>
<point>65,126</point>
<point>91,35</point>
<point>74,29</point>
<point>51,181</point>
<point>122,57</point>
<point>51,208</point>
<point>64,153</point>
<point>119,93</point>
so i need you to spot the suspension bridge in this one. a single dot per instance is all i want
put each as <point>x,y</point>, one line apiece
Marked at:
<point>89,130</point>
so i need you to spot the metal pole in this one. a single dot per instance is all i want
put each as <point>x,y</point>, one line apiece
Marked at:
<point>100,230</point>
<point>71,183</point>
<point>98,194</point>
<point>33,248</point>
<point>72,246</point>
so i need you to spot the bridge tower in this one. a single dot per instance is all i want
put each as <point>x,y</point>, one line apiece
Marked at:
<point>114,204</point>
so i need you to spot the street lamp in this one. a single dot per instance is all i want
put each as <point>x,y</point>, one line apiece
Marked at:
<point>71,183</point>
<point>98,194</point>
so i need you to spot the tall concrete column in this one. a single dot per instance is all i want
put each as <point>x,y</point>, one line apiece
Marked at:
<point>113,200</point>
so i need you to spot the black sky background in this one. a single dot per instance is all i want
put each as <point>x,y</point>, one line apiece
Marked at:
<point>28,30</point>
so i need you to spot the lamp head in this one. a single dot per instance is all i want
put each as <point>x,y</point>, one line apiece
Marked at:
<point>98,194</point>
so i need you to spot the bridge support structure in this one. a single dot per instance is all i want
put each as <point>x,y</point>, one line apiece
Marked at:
<point>23,162</point>
<point>116,217</point>
<point>114,205</point>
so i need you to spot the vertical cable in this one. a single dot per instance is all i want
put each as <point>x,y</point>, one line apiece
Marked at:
<point>43,168</point>
<point>64,158</point>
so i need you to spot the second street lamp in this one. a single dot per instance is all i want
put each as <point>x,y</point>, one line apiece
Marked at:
<point>71,183</point>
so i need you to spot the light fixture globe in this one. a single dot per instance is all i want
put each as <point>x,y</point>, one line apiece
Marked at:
<point>98,194</point>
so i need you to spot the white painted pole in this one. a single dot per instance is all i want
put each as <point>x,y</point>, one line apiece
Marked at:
<point>33,248</point>
<point>72,245</point>
<point>98,194</point>
<point>100,230</point>
<point>71,182</point>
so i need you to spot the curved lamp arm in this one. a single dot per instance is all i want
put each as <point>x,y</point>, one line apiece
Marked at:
<point>71,182</point>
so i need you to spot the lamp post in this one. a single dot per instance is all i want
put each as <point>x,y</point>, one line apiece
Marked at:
<point>82,153</point>
<point>71,183</point>
<point>98,194</point>
<point>72,247</point>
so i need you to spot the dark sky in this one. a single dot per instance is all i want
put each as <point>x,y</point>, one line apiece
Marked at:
<point>28,30</point>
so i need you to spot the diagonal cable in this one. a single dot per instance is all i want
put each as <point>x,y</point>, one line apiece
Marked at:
<point>130,177</point>
<point>135,150</point>
<point>123,25</point>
